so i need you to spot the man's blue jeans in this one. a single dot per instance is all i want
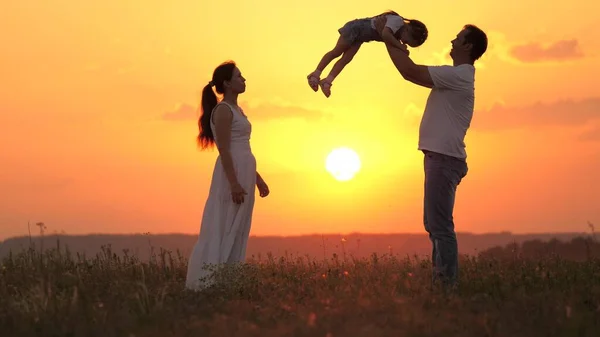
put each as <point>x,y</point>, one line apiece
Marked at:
<point>443,174</point>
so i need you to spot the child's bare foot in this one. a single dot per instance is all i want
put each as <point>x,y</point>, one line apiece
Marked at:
<point>313,81</point>
<point>326,86</point>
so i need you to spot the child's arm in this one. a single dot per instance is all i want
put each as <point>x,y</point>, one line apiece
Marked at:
<point>384,27</point>
<point>389,38</point>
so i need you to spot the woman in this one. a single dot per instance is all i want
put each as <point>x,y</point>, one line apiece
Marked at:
<point>228,211</point>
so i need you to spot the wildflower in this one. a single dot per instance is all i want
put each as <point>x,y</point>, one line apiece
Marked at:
<point>312,318</point>
<point>326,301</point>
<point>400,300</point>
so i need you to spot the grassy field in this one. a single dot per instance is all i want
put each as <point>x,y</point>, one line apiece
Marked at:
<point>59,294</point>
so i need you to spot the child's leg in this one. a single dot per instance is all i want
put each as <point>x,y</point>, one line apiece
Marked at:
<point>338,67</point>
<point>340,47</point>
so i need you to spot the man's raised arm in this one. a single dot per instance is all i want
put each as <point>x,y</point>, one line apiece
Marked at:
<point>410,71</point>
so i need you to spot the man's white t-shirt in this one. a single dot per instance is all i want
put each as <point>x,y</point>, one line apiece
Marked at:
<point>449,110</point>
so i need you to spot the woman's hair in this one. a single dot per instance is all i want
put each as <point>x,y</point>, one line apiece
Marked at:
<point>224,72</point>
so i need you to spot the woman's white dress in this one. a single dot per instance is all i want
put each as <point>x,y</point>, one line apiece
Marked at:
<point>225,225</point>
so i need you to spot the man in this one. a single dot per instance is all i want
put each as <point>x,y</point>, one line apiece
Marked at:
<point>444,124</point>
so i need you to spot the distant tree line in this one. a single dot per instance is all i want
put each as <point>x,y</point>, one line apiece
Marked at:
<point>578,249</point>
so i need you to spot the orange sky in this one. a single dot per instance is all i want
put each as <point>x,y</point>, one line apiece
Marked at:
<point>97,107</point>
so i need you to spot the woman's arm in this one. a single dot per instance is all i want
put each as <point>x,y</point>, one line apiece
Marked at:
<point>223,117</point>
<point>263,189</point>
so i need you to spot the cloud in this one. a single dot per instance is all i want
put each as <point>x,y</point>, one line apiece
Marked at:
<point>182,112</point>
<point>256,112</point>
<point>501,48</point>
<point>37,183</point>
<point>444,58</point>
<point>497,47</point>
<point>558,113</point>
<point>269,110</point>
<point>412,114</point>
<point>562,50</point>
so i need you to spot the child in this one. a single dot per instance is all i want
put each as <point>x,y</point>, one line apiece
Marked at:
<point>356,32</point>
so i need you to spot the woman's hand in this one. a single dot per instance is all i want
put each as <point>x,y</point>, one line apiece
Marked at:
<point>237,193</point>
<point>263,188</point>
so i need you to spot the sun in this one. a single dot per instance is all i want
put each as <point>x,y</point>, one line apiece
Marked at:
<point>342,163</point>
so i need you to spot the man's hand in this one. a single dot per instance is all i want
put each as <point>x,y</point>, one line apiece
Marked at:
<point>389,38</point>
<point>404,49</point>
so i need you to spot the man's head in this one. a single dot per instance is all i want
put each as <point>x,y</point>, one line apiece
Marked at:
<point>469,45</point>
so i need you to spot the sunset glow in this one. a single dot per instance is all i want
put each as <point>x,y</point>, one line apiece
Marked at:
<point>99,107</point>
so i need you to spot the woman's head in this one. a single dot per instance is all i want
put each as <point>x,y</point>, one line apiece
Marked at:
<point>228,81</point>
<point>414,33</point>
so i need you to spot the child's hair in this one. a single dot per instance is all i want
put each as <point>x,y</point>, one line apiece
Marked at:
<point>418,30</point>
<point>389,13</point>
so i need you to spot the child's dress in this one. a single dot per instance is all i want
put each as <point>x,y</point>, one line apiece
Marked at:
<point>363,30</point>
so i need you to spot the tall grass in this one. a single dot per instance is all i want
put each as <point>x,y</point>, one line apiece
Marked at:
<point>57,293</point>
